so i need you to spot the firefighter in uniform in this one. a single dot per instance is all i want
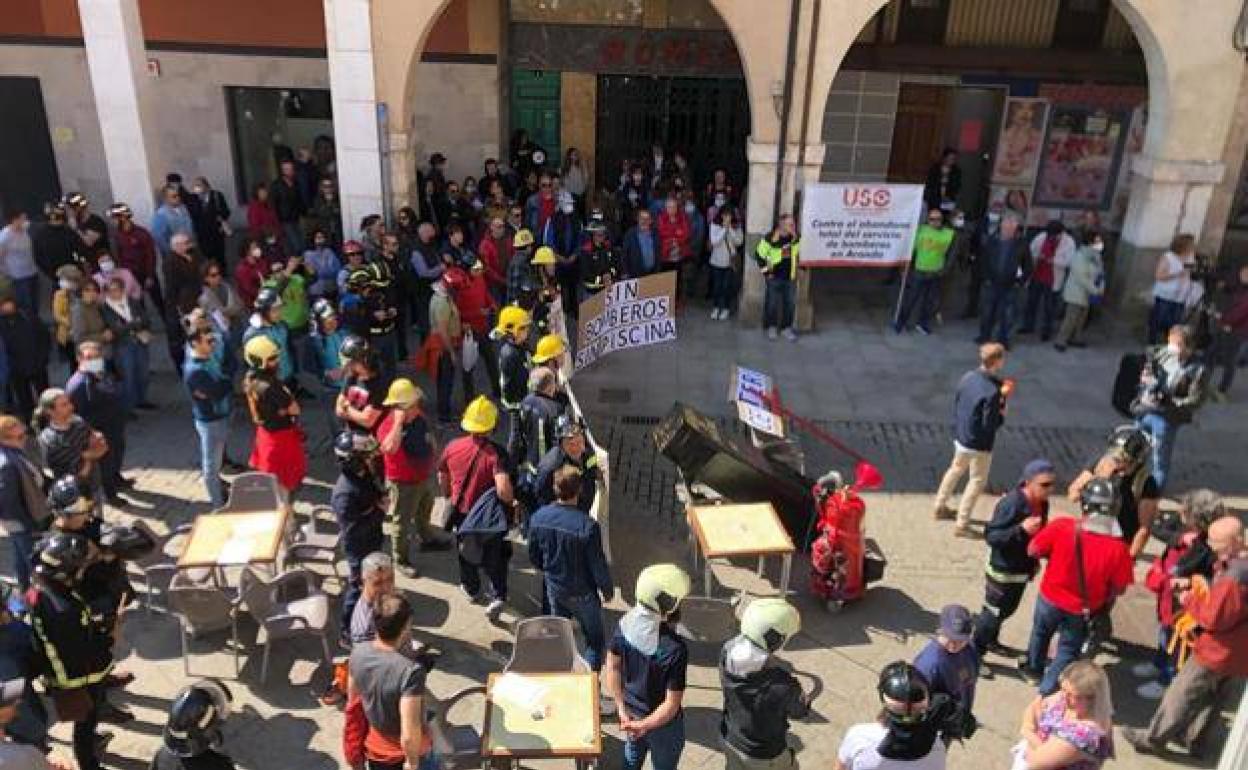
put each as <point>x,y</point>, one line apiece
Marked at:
<point>383,331</point>
<point>539,415</point>
<point>512,332</point>
<point>548,354</point>
<point>573,449</point>
<point>278,447</point>
<point>760,697</point>
<point>600,265</point>
<point>541,289</point>
<point>518,269</point>
<point>193,736</point>
<point>76,653</point>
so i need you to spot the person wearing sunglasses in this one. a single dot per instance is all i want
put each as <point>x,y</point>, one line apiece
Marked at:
<point>1018,515</point>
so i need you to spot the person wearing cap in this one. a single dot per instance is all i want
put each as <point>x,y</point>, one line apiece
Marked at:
<point>1018,515</point>
<point>598,262</point>
<point>267,322</point>
<point>760,695</point>
<point>646,670</point>
<point>469,467</point>
<point>212,399</point>
<point>408,449</point>
<point>573,449</point>
<point>19,755</point>
<point>135,249</point>
<point>565,545</point>
<point>1088,566</point>
<point>90,226</point>
<point>360,402</point>
<point>56,244</point>
<point>476,307</point>
<point>949,662</point>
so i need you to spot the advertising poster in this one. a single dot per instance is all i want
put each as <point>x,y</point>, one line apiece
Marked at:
<point>859,225</point>
<point>1081,156</point>
<point>630,314</point>
<point>1018,147</point>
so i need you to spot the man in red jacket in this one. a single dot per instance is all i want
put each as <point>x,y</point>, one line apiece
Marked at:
<point>1221,650</point>
<point>135,250</point>
<point>1088,567</point>
<point>675,240</point>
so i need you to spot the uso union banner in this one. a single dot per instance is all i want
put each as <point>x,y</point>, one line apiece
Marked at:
<point>630,314</point>
<point>859,225</point>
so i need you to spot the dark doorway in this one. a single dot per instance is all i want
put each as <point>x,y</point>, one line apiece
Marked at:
<point>706,118</point>
<point>30,178</point>
<point>919,132</point>
<point>974,121</point>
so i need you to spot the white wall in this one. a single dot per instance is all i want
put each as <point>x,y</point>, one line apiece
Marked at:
<point>192,129</point>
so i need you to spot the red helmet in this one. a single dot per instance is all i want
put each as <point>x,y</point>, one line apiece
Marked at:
<point>352,246</point>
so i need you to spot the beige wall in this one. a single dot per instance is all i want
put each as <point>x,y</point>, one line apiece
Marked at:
<point>578,107</point>
<point>455,113</point>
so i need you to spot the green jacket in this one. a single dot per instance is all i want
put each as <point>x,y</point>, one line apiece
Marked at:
<point>773,258</point>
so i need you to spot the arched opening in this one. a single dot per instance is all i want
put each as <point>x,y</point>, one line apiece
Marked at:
<point>609,77</point>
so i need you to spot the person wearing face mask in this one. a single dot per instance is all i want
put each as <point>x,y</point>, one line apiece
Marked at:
<point>777,257</point>
<point>98,398</point>
<point>563,234</point>
<point>210,215</point>
<point>108,269</point>
<point>1085,285</point>
<point>56,243</point>
<point>132,332</point>
<point>1172,388</point>
<point>760,695</point>
<point>720,191</point>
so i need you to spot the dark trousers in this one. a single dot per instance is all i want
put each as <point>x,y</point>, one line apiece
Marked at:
<point>111,463</point>
<point>1164,315</point>
<point>400,330</point>
<point>495,555</point>
<point>972,290</point>
<point>779,303</point>
<point>1043,302</point>
<point>445,385</point>
<point>23,546</point>
<point>722,284</point>
<point>1071,631</point>
<point>996,312</point>
<point>175,336</point>
<point>386,346</point>
<point>1225,355</point>
<point>669,267</point>
<point>1001,601</point>
<point>84,733</point>
<point>586,610</point>
<point>1189,703</point>
<point>923,293</point>
<point>569,282</point>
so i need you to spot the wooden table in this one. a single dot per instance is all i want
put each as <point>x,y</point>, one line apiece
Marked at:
<point>234,539</point>
<point>541,716</point>
<point>752,529</point>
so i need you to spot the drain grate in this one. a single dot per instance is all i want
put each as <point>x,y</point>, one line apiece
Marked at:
<point>615,395</point>
<point>639,419</point>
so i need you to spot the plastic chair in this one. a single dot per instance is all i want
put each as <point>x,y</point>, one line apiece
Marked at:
<point>253,491</point>
<point>310,544</point>
<point>290,605</point>
<point>545,645</point>
<point>457,745</point>
<point>201,609</point>
<point>160,566</point>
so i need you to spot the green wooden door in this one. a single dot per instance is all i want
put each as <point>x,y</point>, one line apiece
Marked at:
<point>535,108</point>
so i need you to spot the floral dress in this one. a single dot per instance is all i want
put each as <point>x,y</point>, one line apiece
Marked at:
<point>1095,744</point>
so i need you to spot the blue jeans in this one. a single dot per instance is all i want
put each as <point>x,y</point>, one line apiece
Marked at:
<point>131,359</point>
<point>722,280</point>
<point>26,294</point>
<point>212,435</point>
<point>779,303</point>
<point>1164,315</point>
<point>1071,632</point>
<point>1040,299</point>
<point>23,544</point>
<point>663,743</point>
<point>923,292</point>
<point>586,610</point>
<point>997,309</point>
<point>1163,432</point>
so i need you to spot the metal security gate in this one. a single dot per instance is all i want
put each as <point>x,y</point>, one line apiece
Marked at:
<point>706,118</point>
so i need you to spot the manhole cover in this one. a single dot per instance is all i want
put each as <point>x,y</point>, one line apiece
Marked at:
<point>614,395</point>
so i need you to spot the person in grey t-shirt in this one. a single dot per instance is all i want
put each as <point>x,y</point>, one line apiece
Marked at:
<point>377,579</point>
<point>391,687</point>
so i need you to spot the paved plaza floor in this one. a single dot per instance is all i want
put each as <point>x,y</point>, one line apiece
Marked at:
<point>887,395</point>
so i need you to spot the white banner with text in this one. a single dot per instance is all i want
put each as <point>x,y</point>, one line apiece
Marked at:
<point>859,225</point>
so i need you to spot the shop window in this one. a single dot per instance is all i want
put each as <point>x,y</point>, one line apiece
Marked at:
<point>624,13</point>
<point>269,124</point>
<point>923,22</point>
<point>1080,24</point>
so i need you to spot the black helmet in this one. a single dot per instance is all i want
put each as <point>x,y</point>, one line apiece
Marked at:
<point>323,310</point>
<point>68,496</point>
<point>355,348</point>
<point>61,557</point>
<point>54,209</point>
<point>126,543</point>
<point>267,299</point>
<point>120,209</point>
<point>901,688</point>
<point>75,199</point>
<point>568,425</point>
<point>1099,496</point>
<point>1131,443</point>
<point>196,717</point>
<point>350,446</point>
<point>359,279</point>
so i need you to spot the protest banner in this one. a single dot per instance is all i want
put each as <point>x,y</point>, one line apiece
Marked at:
<point>754,393</point>
<point>629,314</point>
<point>859,225</point>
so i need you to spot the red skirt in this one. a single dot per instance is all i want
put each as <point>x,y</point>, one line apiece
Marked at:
<point>280,452</point>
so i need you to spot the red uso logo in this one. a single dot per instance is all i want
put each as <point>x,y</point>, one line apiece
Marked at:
<point>866,197</point>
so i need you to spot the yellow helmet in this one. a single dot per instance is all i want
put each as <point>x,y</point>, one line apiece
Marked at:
<point>770,622</point>
<point>403,393</point>
<point>512,319</point>
<point>548,347</point>
<point>522,239</point>
<point>480,416</point>
<point>259,350</point>
<point>544,256</point>
<point>662,587</point>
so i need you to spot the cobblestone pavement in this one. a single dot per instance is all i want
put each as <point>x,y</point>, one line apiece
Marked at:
<point>886,395</point>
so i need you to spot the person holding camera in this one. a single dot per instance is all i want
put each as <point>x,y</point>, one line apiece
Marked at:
<point>913,727</point>
<point>1172,386</point>
<point>1070,729</point>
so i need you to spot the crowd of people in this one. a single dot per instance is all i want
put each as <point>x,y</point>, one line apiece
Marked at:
<point>472,289</point>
